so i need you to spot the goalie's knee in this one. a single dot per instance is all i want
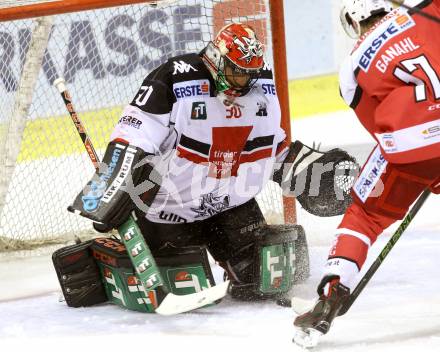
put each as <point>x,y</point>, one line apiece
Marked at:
<point>269,266</point>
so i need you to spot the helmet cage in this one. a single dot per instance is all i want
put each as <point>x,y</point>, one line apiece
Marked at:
<point>252,76</point>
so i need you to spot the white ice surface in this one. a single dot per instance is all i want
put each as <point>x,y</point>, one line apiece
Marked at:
<point>398,311</point>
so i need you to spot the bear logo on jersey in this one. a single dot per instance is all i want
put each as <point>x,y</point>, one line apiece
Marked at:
<point>262,108</point>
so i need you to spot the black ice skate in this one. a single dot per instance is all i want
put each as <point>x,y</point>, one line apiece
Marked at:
<point>310,326</point>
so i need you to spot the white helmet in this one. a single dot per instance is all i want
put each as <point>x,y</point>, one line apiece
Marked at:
<point>355,11</point>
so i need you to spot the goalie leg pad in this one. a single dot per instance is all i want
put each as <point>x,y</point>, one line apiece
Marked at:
<point>185,271</point>
<point>118,276</point>
<point>268,268</point>
<point>79,275</point>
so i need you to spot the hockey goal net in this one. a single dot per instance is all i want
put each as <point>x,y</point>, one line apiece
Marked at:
<point>103,49</point>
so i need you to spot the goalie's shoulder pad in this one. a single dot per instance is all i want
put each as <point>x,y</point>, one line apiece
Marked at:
<point>179,77</point>
<point>266,72</point>
<point>155,95</point>
<point>187,67</point>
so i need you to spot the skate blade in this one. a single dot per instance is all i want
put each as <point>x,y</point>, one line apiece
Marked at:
<point>307,338</point>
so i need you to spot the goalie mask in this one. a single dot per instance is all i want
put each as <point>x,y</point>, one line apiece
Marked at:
<point>235,59</point>
<point>353,12</point>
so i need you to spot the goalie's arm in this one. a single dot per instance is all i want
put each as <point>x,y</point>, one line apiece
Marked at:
<point>126,178</point>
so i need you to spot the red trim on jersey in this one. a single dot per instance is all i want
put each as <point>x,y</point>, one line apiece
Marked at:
<point>244,158</point>
<point>183,153</point>
<point>121,140</point>
<point>281,147</point>
<point>260,154</point>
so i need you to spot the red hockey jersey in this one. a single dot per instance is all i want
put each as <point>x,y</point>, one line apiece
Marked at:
<point>392,81</point>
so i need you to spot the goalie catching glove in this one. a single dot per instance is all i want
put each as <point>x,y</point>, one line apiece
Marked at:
<point>321,181</point>
<point>125,179</point>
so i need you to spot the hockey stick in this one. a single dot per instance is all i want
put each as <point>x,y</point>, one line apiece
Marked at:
<point>415,9</point>
<point>140,255</point>
<point>385,251</point>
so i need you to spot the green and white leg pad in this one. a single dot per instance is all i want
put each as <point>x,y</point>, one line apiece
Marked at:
<point>278,260</point>
<point>184,270</point>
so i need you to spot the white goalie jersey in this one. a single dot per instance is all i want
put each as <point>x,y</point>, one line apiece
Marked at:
<point>213,153</point>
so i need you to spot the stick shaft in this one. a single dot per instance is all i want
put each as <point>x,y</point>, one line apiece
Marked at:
<point>385,251</point>
<point>59,83</point>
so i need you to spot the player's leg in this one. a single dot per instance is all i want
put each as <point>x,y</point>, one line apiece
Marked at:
<point>238,238</point>
<point>382,195</point>
<point>262,261</point>
<point>161,235</point>
<point>185,270</point>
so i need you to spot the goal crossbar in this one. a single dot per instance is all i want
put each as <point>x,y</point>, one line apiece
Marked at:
<point>56,7</point>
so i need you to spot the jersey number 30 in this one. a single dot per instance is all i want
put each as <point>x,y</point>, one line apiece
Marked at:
<point>420,62</point>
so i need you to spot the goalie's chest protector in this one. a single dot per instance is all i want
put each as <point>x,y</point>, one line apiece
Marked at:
<point>221,151</point>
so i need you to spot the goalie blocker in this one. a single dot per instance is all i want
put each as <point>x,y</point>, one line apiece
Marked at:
<point>124,181</point>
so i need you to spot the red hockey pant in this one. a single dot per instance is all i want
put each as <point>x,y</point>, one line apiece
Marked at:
<point>382,195</point>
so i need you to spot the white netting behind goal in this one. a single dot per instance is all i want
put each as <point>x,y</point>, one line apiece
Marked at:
<point>103,55</point>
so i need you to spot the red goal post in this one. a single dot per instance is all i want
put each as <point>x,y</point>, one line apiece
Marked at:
<point>19,122</point>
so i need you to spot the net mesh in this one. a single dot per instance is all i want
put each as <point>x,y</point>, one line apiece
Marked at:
<point>103,56</point>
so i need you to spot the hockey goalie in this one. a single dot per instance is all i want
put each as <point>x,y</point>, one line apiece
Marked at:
<point>198,142</point>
